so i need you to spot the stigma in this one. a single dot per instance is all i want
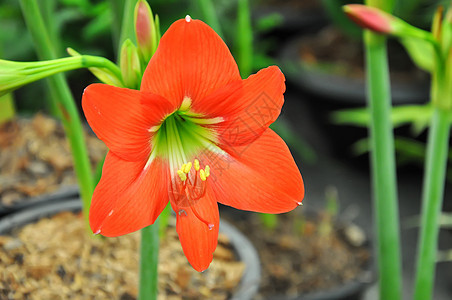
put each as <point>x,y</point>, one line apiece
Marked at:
<point>189,186</point>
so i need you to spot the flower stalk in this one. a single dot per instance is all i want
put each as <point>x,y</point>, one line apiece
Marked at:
<point>383,167</point>
<point>433,191</point>
<point>133,61</point>
<point>7,110</point>
<point>149,258</point>
<point>436,158</point>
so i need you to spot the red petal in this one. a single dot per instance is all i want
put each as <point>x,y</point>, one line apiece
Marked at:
<point>261,176</point>
<point>122,118</point>
<point>191,60</point>
<point>248,106</point>
<point>128,196</point>
<point>198,241</point>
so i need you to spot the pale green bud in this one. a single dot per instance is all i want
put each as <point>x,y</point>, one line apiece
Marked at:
<point>129,63</point>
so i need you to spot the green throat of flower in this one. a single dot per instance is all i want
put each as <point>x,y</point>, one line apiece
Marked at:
<point>183,135</point>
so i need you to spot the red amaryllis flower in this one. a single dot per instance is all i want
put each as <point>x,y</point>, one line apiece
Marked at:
<point>195,134</point>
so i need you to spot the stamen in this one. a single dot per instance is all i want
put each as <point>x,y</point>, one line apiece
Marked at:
<point>187,167</point>
<point>207,171</point>
<point>196,165</point>
<point>182,175</point>
<point>202,175</point>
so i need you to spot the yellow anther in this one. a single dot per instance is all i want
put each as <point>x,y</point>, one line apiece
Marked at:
<point>196,165</point>
<point>182,175</point>
<point>207,171</point>
<point>187,167</point>
<point>183,167</point>
<point>202,175</point>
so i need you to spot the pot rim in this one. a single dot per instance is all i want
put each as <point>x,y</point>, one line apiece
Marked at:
<point>64,192</point>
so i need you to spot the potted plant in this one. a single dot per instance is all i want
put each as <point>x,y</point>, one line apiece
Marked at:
<point>72,263</point>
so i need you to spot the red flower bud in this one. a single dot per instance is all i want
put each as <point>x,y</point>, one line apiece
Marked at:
<point>370,18</point>
<point>145,30</point>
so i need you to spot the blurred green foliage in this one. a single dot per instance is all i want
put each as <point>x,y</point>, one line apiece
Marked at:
<point>92,27</point>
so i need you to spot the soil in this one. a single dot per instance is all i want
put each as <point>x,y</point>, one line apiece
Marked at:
<point>56,258</point>
<point>330,50</point>
<point>307,253</point>
<point>36,159</point>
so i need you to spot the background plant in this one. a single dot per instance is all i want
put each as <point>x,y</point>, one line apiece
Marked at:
<point>431,51</point>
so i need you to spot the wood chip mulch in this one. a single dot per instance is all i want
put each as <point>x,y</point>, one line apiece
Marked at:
<point>35,158</point>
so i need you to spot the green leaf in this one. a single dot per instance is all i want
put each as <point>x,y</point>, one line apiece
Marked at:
<point>420,51</point>
<point>418,115</point>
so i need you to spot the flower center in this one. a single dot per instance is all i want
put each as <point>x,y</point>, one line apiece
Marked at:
<point>182,136</point>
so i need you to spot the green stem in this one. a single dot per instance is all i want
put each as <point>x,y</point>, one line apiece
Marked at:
<point>47,8</point>
<point>433,189</point>
<point>127,26</point>
<point>164,220</point>
<point>65,103</point>
<point>383,167</point>
<point>149,255</point>
<point>245,39</point>
<point>7,110</point>
<point>270,221</point>
<point>209,13</point>
<point>116,10</point>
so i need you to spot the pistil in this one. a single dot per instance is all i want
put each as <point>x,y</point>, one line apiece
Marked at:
<point>189,189</point>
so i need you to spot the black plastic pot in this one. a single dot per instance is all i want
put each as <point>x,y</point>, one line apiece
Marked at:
<point>341,89</point>
<point>66,192</point>
<point>243,248</point>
